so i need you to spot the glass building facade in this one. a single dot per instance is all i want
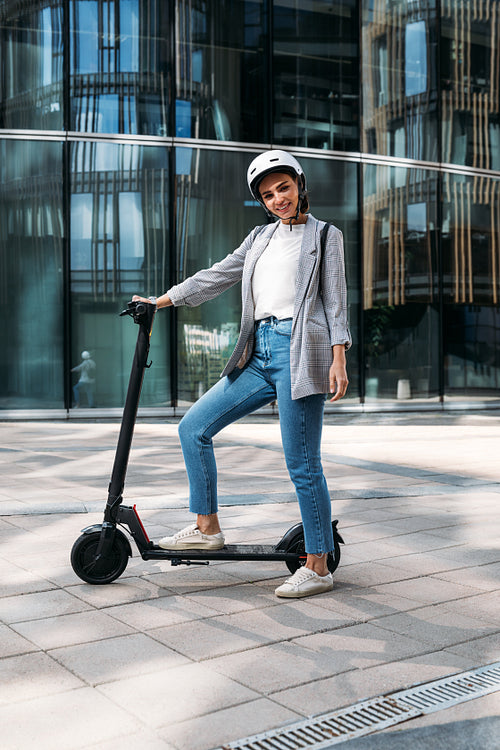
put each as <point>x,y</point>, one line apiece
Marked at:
<point>126,127</point>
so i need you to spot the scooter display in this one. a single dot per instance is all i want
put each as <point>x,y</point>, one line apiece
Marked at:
<point>100,555</point>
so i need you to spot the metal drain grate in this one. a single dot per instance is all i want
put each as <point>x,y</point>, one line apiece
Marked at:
<point>375,714</point>
<point>452,690</point>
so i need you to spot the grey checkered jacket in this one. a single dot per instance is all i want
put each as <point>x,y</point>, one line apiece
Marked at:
<point>320,308</point>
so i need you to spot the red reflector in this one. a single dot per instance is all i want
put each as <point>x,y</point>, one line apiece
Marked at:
<point>140,522</point>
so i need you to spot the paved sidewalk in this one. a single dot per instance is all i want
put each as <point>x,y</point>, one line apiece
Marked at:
<point>191,658</point>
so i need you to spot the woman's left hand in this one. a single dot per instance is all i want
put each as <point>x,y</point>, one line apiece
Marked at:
<point>338,378</point>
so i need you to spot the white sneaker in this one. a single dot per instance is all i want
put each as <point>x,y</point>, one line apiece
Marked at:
<point>192,538</point>
<point>305,582</point>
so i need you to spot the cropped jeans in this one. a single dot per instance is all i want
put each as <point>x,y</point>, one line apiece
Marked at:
<point>264,379</point>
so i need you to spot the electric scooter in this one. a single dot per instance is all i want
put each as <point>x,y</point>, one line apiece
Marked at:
<point>101,553</point>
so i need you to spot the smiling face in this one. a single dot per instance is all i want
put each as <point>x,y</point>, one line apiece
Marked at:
<point>280,194</point>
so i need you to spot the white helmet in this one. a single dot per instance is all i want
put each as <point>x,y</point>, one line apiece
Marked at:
<point>274,161</point>
<point>85,355</point>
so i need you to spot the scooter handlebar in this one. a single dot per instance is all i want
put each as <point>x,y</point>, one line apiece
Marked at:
<point>141,312</point>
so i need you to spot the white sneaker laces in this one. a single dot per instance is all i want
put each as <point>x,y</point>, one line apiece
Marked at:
<point>188,531</point>
<point>300,576</point>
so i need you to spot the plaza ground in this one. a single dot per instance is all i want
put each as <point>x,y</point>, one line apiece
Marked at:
<point>192,658</point>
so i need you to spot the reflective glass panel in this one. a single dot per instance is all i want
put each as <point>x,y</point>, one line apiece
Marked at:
<point>316,74</point>
<point>119,247</point>
<point>31,55</point>
<point>120,68</point>
<point>400,97</point>
<point>471,286</point>
<point>401,294</point>
<point>212,223</point>
<point>31,275</point>
<point>333,196</point>
<point>470,82</point>
<point>220,56</point>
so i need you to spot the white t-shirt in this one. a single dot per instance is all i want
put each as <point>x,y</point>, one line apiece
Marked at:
<point>274,276</point>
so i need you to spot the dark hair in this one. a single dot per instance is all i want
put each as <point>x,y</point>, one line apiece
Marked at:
<point>304,202</point>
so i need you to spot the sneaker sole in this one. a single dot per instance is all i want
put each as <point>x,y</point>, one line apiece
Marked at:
<point>195,547</point>
<point>301,594</point>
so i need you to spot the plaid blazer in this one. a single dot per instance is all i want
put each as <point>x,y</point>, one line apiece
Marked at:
<point>320,308</point>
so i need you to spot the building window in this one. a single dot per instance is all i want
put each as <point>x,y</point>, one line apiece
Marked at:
<point>415,58</point>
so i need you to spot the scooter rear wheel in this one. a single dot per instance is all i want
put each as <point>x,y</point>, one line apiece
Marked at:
<point>297,545</point>
<point>104,570</point>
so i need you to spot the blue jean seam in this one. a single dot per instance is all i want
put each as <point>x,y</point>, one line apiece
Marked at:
<point>202,448</point>
<point>209,493</point>
<point>311,484</point>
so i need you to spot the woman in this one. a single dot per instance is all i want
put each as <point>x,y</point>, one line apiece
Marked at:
<point>291,349</point>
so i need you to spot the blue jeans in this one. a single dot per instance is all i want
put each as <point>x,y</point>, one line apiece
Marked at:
<point>264,379</point>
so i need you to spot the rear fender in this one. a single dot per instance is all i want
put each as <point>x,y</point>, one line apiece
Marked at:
<point>289,538</point>
<point>336,534</point>
<point>296,531</point>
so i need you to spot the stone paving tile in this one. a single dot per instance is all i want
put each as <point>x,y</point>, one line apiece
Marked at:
<point>369,574</point>
<point>12,644</point>
<point>364,604</point>
<point>15,581</point>
<point>54,527</point>
<point>44,604</point>
<point>122,591</point>
<point>31,676</point>
<point>360,684</point>
<point>193,579</point>
<point>361,646</point>
<point>273,667</point>
<point>6,525</point>
<point>207,639</point>
<point>484,577</point>
<point>429,522</point>
<point>420,564</point>
<point>482,651</point>
<point>310,658</point>
<point>57,572</point>
<point>484,605</point>
<point>471,533</point>
<point>64,721</point>
<point>403,544</point>
<point>434,625</point>
<point>117,658</point>
<point>164,612</point>
<point>144,738</point>
<point>228,725</point>
<point>286,621</point>
<point>69,630</point>
<point>368,514</point>
<point>468,556</point>
<point>237,598</point>
<point>429,590</point>
<point>191,691</point>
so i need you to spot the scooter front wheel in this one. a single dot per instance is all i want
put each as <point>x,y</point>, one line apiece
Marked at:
<point>102,570</point>
<point>297,546</point>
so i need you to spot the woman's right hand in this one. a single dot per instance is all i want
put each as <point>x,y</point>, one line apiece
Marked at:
<point>163,301</point>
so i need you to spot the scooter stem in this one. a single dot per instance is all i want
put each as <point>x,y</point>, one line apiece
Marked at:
<point>143,314</point>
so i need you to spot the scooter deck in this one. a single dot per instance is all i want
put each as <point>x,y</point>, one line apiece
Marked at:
<point>228,552</point>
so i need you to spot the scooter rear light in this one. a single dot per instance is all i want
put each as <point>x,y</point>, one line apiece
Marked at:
<point>140,523</point>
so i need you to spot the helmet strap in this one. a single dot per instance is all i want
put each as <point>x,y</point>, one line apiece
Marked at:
<point>297,212</point>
